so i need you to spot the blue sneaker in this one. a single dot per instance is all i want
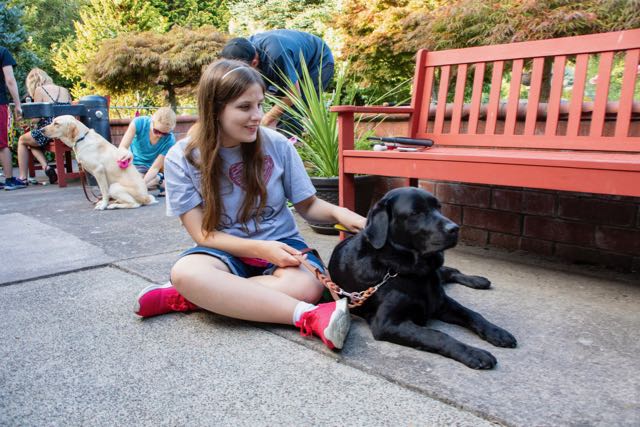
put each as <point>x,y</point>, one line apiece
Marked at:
<point>13,183</point>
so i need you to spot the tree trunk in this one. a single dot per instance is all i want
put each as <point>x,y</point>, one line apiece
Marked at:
<point>170,97</point>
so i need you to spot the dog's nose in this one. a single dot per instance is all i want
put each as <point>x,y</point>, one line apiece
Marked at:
<point>451,228</point>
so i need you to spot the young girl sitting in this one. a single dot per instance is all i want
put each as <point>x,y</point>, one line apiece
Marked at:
<point>230,182</point>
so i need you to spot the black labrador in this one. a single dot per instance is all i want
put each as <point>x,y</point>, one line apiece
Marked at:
<point>406,235</point>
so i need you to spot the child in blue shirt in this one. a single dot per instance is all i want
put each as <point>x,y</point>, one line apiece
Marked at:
<point>147,141</point>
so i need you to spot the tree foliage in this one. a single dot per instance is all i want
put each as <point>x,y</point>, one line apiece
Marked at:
<point>381,37</point>
<point>13,36</point>
<point>100,20</point>
<point>252,16</point>
<point>194,13</point>
<point>48,23</point>
<point>167,61</point>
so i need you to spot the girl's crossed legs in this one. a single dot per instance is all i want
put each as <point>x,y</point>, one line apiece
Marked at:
<point>286,296</point>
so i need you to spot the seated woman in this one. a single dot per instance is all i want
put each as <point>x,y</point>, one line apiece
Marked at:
<point>147,141</point>
<point>41,89</point>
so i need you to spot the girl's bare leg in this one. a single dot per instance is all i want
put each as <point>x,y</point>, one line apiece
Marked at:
<point>207,282</point>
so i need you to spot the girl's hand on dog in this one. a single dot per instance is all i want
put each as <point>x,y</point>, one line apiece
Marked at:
<point>124,155</point>
<point>278,253</point>
<point>351,220</point>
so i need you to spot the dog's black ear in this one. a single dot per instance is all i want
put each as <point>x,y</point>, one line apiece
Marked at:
<point>377,225</point>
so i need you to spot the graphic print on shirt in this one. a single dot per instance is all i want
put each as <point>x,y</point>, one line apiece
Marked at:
<point>236,175</point>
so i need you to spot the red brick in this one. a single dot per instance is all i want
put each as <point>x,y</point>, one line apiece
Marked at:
<point>460,194</point>
<point>593,256</point>
<point>507,200</point>
<point>538,203</point>
<point>475,236</point>
<point>501,221</point>
<point>430,186</point>
<point>507,241</point>
<point>453,212</point>
<point>542,247</point>
<point>597,210</point>
<point>618,240</point>
<point>559,231</point>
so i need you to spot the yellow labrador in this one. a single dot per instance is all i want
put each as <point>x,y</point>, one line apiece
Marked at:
<point>100,158</point>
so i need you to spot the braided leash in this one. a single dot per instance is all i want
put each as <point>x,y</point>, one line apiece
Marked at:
<point>85,187</point>
<point>356,298</point>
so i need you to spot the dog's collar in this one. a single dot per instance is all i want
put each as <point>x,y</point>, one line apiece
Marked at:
<point>81,138</point>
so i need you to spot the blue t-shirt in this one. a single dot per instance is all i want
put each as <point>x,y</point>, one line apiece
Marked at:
<point>284,176</point>
<point>5,59</point>
<point>279,52</point>
<point>145,153</point>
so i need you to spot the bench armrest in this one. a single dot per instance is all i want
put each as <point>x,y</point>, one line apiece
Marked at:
<point>346,124</point>
<point>371,109</point>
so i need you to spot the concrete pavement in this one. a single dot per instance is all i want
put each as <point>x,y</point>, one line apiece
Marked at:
<point>73,353</point>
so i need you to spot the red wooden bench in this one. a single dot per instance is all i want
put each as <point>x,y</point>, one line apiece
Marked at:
<point>541,142</point>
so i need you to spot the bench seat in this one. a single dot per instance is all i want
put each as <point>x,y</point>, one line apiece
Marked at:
<point>594,172</point>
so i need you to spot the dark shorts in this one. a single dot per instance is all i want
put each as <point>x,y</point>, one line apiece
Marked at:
<point>142,169</point>
<point>4,126</point>
<point>240,268</point>
<point>37,132</point>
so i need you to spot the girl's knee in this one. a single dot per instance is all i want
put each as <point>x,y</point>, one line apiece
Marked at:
<point>312,290</point>
<point>193,268</point>
<point>180,273</point>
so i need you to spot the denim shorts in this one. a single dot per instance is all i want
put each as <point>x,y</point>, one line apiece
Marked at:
<point>242,269</point>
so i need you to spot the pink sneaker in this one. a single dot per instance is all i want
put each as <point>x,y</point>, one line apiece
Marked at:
<point>329,321</point>
<point>160,299</point>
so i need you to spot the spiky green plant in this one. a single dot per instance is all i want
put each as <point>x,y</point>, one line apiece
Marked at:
<point>318,144</point>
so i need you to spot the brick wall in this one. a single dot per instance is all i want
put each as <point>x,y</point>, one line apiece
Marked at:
<point>578,227</point>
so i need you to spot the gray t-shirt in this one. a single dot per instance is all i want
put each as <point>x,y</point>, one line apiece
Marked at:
<point>283,174</point>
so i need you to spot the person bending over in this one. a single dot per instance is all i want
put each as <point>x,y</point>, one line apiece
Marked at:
<point>276,54</point>
<point>229,182</point>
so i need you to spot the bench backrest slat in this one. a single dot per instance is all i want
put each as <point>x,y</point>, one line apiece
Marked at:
<point>534,96</point>
<point>539,94</point>
<point>459,99</point>
<point>514,97</point>
<point>442,94</point>
<point>626,97</point>
<point>575,108</point>
<point>494,97</point>
<point>602,93</point>
<point>476,97</point>
<point>553,108</point>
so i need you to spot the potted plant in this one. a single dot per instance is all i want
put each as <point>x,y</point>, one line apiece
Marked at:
<point>318,141</point>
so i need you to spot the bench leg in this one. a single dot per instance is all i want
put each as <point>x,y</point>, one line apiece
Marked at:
<point>347,189</point>
<point>60,166</point>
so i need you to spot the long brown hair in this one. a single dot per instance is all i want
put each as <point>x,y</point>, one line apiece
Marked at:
<point>222,82</point>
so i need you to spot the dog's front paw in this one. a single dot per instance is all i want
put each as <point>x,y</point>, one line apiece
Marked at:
<point>477,358</point>
<point>475,282</point>
<point>101,205</point>
<point>500,338</point>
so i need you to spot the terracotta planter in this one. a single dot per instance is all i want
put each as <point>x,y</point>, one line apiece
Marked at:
<point>327,189</point>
